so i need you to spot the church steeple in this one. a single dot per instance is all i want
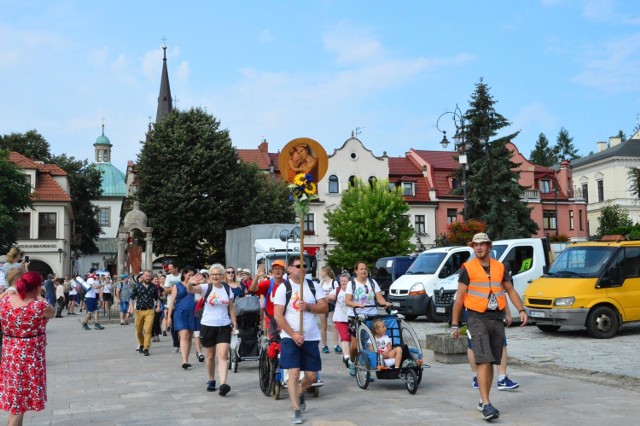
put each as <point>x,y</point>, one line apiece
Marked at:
<point>165,105</point>
<point>102,148</point>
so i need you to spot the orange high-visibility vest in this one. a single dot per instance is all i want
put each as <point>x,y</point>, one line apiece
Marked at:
<point>480,286</point>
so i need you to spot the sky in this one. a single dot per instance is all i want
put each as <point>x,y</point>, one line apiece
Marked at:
<point>279,70</point>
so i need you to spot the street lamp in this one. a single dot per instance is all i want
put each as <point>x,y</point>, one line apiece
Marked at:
<point>461,145</point>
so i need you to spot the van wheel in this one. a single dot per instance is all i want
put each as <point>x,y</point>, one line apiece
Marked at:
<point>410,317</point>
<point>602,322</point>
<point>431,312</point>
<point>548,328</point>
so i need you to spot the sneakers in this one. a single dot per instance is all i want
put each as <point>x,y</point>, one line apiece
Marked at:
<point>224,389</point>
<point>337,349</point>
<point>352,368</point>
<point>85,326</point>
<point>99,327</point>
<point>346,362</point>
<point>325,350</point>
<point>302,405</point>
<point>297,417</point>
<point>480,406</point>
<point>211,386</point>
<point>507,384</point>
<point>176,350</point>
<point>489,412</point>
<point>475,382</point>
<point>200,356</point>
<point>146,352</point>
<point>164,333</point>
<point>140,348</point>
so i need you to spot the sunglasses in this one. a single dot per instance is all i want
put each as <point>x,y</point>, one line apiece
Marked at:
<point>230,272</point>
<point>215,275</point>
<point>299,266</point>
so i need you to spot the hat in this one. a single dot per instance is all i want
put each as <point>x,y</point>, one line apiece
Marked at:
<point>204,271</point>
<point>278,262</point>
<point>245,271</point>
<point>481,238</point>
<point>123,276</point>
<point>92,270</point>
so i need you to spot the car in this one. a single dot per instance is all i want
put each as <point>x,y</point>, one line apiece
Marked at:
<point>389,269</point>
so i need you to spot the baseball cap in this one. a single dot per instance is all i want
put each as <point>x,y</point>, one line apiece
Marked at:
<point>92,270</point>
<point>481,238</point>
<point>278,262</point>
<point>123,276</point>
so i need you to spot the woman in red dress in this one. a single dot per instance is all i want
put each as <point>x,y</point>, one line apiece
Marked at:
<point>23,373</point>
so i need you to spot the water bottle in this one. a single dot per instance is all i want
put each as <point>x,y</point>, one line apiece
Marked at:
<point>380,359</point>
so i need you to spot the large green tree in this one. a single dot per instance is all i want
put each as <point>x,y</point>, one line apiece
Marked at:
<point>494,194</point>
<point>564,148</point>
<point>543,153</point>
<point>193,188</point>
<point>14,197</point>
<point>371,222</point>
<point>612,216</point>
<point>31,144</point>
<point>633,175</point>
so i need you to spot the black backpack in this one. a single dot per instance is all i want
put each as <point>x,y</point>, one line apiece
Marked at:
<point>287,286</point>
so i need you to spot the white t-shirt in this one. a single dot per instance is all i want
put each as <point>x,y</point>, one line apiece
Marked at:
<point>341,314</point>
<point>216,307</point>
<point>73,288</point>
<point>311,331</point>
<point>365,295</point>
<point>169,281</point>
<point>328,285</point>
<point>382,342</point>
<point>91,293</point>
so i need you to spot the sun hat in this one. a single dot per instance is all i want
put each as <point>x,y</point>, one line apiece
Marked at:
<point>481,238</point>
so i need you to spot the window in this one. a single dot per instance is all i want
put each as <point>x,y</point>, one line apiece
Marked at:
<point>408,188</point>
<point>106,156</point>
<point>580,219</point>
<point>309,228</point>
<point>585,193</point>
<point>549,219</point>
<point>334,186</point>
<point>24,226</point>
<point>632,262</point>
<point>455,183</point>
<point>571,220</point>
<point>600,191</point>
<point>372,181</point>
<point>99,159</point>
<point>452,215</point>
<point>392,186</point>
<point>47,226</point>
<point>420,225</point>
<point>519,259</point>
<point>104,216</point>
<point>352,180</point>
<point>545,187</point>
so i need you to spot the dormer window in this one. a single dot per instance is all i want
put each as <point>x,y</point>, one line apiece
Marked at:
<point>545,186</point>
<point>408,189</point>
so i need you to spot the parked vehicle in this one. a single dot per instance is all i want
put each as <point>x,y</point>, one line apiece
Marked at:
<point>592,284</point>
<point>389,269</point>
<point>527,258</point>
<point>411,294</point>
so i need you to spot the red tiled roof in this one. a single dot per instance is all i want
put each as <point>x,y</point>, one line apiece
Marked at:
<point>402,169</point>
<point>254,156</point>
<point>439,159</point>
<point>46,188</point>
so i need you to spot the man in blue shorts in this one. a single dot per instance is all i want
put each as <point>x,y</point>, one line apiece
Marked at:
<point>91,302</point>
<point>299,348</point>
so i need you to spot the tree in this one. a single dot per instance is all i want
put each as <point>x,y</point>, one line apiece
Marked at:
<point>370,223</point>
<point>564,149</point>
<point>633,175</point>
<point>14,197</point>
<point>542,153</point>
<point>495,196</point>
<point>461,233</point>
<point>621,135</point>
<point>612,216</point>
<point>85,185</point>
<point>30,144</point>
<point>202,189</point>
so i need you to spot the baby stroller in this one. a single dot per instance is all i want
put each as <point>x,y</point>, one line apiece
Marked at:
<point>368,362</point>
<point>245,344</point>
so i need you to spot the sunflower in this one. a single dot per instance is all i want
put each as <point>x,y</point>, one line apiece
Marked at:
<point>300,180</point>
<point>311,188</point>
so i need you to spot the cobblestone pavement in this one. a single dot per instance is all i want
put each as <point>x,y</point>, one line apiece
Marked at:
<point>96,377</point>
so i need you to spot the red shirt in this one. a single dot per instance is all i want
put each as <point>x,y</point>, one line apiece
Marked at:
<point>263,288</point>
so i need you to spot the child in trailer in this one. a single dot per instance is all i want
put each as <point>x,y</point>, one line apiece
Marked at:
<point>391,356</point>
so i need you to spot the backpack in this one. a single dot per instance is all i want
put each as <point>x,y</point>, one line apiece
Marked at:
<point>367,283</point>
<point>287,286</point>
<point>200,305</point>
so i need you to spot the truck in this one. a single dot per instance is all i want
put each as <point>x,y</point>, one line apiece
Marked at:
<point>253,245</point>
<point>595,285</point>
<point>526,258</point>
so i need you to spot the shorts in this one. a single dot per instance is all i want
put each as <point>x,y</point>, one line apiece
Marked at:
<point>106,297</point>
<point>504,343</point>
<point>211,336</point>
<point>305,357</point>
<point>488,338</point>
<point>332,307</point>
<point>343,330</point>
<point>124,306</point>
<point>73,297</point>
<point>92,304</point>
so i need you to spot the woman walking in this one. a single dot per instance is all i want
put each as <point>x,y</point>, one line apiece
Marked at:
<point>183,321</point>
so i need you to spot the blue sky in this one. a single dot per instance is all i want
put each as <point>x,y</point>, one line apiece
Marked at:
<point>285,69</point>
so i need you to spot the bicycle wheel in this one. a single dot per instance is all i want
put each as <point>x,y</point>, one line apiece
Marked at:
<point>362,370</point>
<point>264,376</point>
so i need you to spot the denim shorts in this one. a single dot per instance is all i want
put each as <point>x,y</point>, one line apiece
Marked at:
<point>305,357</point>
<point>124,306</point>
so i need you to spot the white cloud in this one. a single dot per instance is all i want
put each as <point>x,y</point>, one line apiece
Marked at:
<point>599,10</point>
<point>183,71</point>
<point>120,63</point>
<point>352,45</point>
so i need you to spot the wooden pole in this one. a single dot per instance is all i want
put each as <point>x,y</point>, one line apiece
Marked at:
<point>302,271</point>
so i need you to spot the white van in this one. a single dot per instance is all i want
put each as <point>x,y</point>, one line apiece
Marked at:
<point>411,294</point>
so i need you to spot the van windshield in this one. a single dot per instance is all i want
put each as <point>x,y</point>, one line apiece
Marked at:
<point>426,263</point>
<point>581,262</point>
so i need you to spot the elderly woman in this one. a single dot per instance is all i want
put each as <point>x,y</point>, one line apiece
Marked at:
<point>23,376</point>
<point>13,261</point>
<point>216,325</point>
<point>181,316</point>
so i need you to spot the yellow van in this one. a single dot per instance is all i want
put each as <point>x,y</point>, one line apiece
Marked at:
<point>591,284</point>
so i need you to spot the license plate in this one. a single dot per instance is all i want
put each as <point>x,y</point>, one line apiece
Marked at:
<point>536,314</point>
<point>440,310</point>
<point>395,304</point>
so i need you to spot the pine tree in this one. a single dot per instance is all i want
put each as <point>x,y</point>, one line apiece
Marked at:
<point>542,153</point>
<point>564,149</point>
<point>494,194</point>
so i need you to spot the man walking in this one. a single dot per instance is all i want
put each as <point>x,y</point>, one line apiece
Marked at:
<point>172,278</point>
<point>91,302</point>
<point>123,293</point>
<point>299,348</point>
<point>146,302</point>
<point>482,285</point>
<point>267,288</point>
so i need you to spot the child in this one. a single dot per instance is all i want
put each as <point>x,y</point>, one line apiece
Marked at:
<point>341,315</point>
<point>383,344</point>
